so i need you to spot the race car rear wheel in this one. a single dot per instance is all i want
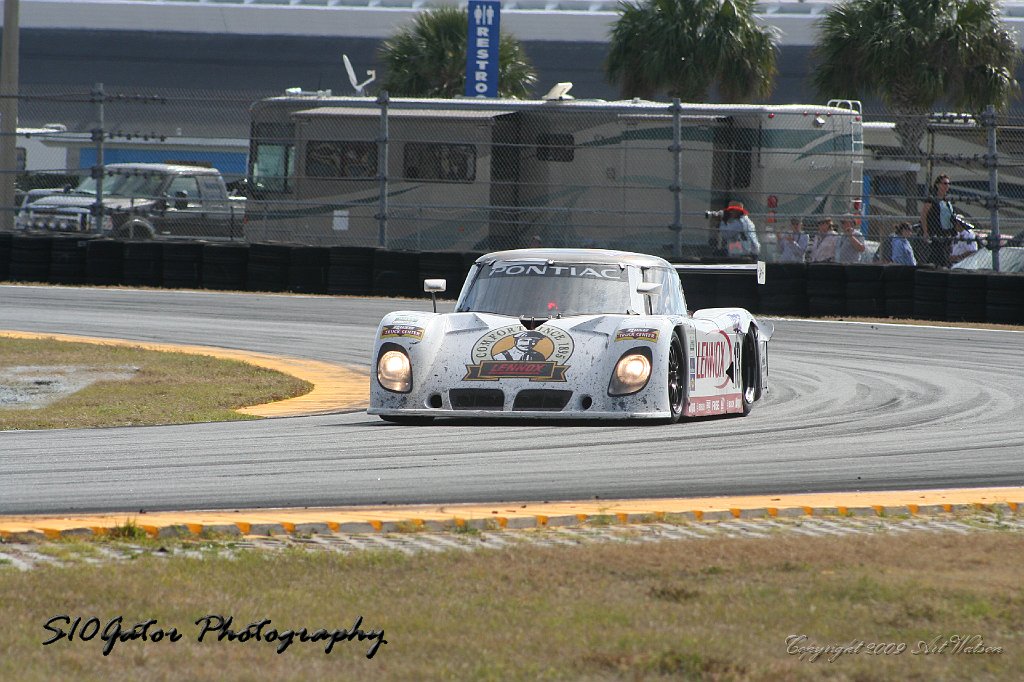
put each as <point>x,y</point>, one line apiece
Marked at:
<point>406,420</point>
<point>748,372</point>
<point>676,379</point>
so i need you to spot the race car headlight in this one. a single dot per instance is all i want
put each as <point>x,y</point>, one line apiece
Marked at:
<point>631,372</point>
<point>394,371</point>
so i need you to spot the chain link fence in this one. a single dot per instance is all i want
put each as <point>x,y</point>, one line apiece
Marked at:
<point>469,175</point>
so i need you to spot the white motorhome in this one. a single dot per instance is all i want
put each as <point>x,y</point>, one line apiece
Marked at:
<point>473,174</point>
<point>955,145</point>
<point>39,151</point>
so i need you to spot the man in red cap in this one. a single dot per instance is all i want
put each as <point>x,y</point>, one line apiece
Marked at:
<point>736,232</point>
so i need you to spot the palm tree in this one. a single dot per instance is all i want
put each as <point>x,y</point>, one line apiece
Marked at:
<point>913,54</point>
<point>428,58</point>
<point>683,47</point>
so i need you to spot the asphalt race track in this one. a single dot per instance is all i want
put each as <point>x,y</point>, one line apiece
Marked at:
<point>853,407</point>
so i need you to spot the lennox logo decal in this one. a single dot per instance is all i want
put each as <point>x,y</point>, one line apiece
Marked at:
<point>517,353</point>
<point>715,360</point>
<point>711,359</point>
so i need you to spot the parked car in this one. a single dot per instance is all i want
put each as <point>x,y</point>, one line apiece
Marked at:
<point>140,201</point>
<point>1011,259</point>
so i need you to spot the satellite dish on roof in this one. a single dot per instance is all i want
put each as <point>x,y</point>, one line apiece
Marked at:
<point>560,91</point>
<point>359,87</point>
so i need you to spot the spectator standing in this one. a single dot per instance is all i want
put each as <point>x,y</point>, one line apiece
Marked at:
<point>793,244</point>
<point>902,251</point>
<point>937,222</point>
<point>851,243</point>
<point>736,232</point>
<point>823,246</point>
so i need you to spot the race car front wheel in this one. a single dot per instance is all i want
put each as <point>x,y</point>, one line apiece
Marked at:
<point>676,379</point>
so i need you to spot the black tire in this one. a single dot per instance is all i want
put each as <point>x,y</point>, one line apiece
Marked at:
<point>136,231</point>
<point>406,420</point>
<point>748,372</point>
<point>676,380</point>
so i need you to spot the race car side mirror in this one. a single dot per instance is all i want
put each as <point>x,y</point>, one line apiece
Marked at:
<point>433,286</point>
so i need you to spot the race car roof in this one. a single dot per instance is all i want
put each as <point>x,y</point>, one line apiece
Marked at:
<point>599,256</point>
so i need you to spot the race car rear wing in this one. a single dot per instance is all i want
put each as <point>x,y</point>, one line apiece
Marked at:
<point>724,269</point>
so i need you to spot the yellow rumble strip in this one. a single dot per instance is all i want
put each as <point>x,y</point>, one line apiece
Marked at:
<point>522,515</point>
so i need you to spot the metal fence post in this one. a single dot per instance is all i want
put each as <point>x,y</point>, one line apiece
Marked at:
<point>677,180</point>
<point>9,116</point>
<point>992,163</point>
<point>382,170</point>
<point>98,171</point>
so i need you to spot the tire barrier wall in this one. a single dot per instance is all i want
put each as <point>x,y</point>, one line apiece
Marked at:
<point>791,289</point>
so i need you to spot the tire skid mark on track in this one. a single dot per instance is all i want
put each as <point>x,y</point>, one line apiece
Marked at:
<point>820,429</point>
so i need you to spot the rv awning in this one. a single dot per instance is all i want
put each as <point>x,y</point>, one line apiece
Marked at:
<point>447,114</point>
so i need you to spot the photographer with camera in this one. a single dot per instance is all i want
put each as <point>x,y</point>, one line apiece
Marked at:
<point>938,222</point>
<point>793,244</point>
<point>966,241</point>
<point>736,234</point>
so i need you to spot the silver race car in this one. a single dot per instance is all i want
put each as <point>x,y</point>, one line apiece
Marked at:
<point>570,334</point>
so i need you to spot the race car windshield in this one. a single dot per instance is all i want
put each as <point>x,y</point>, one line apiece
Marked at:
<point>545,290</point>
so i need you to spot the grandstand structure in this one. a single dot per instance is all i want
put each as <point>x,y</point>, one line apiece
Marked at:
<point>529,20</point>
<point>268,45</point>
<point>211,59</point>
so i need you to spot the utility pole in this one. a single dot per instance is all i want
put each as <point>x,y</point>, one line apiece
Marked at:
<point>9,115</point>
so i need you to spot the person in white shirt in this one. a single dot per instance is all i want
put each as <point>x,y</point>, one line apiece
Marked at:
<point>851,243</point>
<point>793,244</point>
<point>823,246</point>
<point>964,244</point>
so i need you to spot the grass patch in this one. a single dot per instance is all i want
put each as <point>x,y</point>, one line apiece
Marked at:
<point>128,530</point>
<point>716,609</point>
<point>166,388</point>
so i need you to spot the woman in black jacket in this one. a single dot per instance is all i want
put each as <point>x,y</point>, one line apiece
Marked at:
<point>938,222</point>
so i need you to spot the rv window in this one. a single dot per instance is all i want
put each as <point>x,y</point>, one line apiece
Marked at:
<point>887,185</point>
<point>328,159</point>
<point>731,167</point>
<point>445,162</point>
<point>272,156</point>
<point>555,147</point>
<point>272,166</point>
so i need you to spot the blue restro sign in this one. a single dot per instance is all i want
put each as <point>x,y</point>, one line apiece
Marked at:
<point>482,49</point>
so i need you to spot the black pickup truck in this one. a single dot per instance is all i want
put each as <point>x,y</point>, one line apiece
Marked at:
<point>141,201</point>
